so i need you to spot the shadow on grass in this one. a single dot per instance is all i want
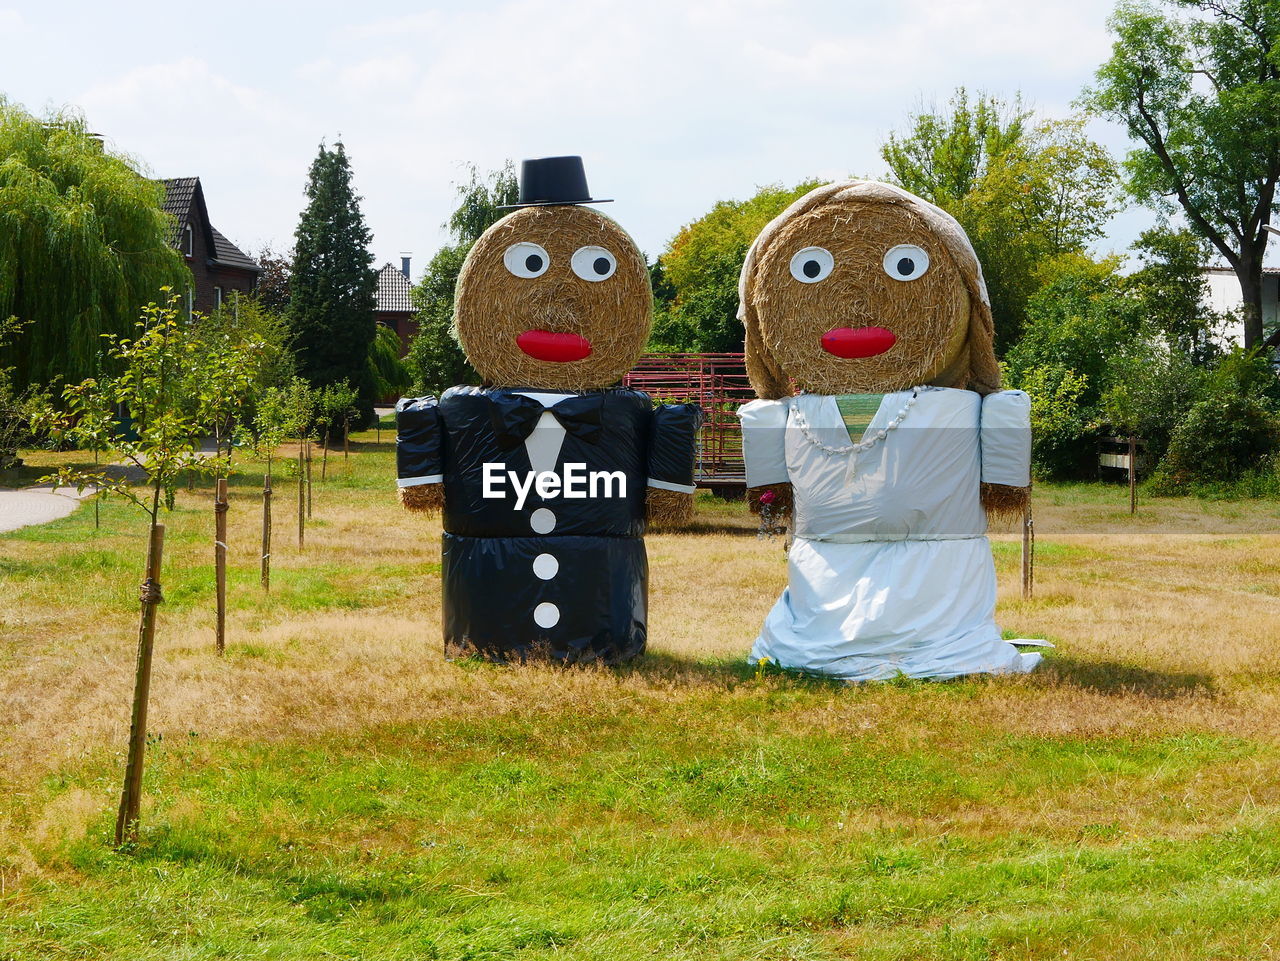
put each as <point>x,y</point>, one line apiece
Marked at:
<point>725,672</point>
<point>1112,677</point>
<point>711,526</point>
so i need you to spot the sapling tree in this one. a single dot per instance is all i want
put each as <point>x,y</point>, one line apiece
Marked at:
<point>274,420</point>
<point>151,386</point>
<point>336,404</point>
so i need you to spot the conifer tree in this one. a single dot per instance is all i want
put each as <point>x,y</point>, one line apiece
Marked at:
<point>331,300</point>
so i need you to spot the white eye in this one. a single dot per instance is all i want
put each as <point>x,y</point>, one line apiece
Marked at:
<point>526,260</point>
<point>905,262</point>
<point>812,264</point>
<point>593,263</point>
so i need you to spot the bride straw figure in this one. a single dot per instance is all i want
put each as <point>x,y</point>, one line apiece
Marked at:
<point>882,428</point>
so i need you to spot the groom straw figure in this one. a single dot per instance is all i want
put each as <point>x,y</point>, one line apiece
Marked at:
<point>548,473</point>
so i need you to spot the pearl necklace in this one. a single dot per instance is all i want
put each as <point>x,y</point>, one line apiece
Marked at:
<point>867,442</point>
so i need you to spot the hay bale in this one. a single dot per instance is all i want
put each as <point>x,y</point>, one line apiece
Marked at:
<point>494,306</point>
<point>942,320</point>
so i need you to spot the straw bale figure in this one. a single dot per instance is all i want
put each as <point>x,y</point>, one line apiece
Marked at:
<point>882,429</point>
<point>548,474</point>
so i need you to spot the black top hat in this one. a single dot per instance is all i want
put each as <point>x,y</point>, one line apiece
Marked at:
<point>551,181</point>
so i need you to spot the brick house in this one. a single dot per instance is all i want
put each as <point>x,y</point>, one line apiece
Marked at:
<point>218,266</point>
<point>394,306</point>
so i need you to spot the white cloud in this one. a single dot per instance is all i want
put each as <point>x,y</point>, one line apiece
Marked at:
<point>673,103</point>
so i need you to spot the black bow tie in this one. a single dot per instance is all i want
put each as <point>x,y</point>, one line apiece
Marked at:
<point>515,416</point>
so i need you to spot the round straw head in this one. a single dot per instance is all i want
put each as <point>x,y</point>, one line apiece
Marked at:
<point>863,287</point>
<point>554,297</point>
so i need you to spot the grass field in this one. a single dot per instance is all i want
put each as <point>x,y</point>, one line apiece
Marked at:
<point>332,788</point>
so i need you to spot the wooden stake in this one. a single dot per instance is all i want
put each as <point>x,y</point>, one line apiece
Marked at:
<point>97,499</point>
<point>302,498</point>
<point>308,476</point>
<point>131,796</point>
<point>266,533</point>
<point>220,508</point>
<point>346,433</point>
<point>1028,554</point>
<point>1133,474</point>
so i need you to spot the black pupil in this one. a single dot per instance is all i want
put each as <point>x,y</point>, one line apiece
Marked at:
<point>812,268</point>
<point>600,265</point>
<point>533,263</point>
<point>906,266</point>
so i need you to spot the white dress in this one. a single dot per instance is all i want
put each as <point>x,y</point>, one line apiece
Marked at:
<point>890,571</point>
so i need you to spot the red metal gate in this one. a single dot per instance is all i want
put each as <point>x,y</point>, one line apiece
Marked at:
<point>716,382</point>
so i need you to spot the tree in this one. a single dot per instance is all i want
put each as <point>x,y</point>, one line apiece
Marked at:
<point>243,352</point>
<point>1024,190</point>
<point>1199,93</point>
<point>1170,287</point>
<point>83,245</point>
<point>435,358</point>
<point>1078,322</point>
<point>152,385</point>
<point>700,267</point>
<point>16,406</point>
<point>387,370</point>
<point>272,289</point>
<point>331,296</point>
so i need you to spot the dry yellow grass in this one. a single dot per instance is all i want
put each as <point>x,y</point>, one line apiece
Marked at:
<point>1187,618</point>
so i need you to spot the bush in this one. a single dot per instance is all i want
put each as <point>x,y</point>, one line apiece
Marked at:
<point>1152,390</point>
<point>1062,434</point>
<point>1223,438</point>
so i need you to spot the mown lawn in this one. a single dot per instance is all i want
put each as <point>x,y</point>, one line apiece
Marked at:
<point>332,788</point>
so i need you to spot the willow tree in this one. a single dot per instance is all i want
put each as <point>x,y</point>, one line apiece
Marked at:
<point>83,245</point>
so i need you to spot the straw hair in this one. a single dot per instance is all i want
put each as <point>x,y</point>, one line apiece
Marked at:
<point>1004,503</point>
<point>668,509</point>
<point>493,306</point>
<point>942,320</point>
<point>423,499</point>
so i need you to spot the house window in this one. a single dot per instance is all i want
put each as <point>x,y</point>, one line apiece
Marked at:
<point>188,241</point>
<point>217,298</point>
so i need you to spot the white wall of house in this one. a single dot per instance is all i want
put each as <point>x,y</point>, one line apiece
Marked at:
<point>1223,296</point>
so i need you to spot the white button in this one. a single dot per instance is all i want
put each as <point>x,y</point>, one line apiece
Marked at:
<point>545,566</point>
<point>542,521</point>
<point>546,614</point>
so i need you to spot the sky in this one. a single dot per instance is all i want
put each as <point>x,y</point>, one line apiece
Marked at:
<point>673,105</point>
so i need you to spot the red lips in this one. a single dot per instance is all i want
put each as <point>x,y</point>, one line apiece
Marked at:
<point>858,341</point>
<point>560,348</point>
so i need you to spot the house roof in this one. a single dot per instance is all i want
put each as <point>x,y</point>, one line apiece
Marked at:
<point>228,254</point>
<point>393,290</point>
<point>1215,269</point>
<point>181,196</point>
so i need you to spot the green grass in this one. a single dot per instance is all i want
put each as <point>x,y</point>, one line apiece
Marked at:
<point>706,828</point>
<point>688,805</point>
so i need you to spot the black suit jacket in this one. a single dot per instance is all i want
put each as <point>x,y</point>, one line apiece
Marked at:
<point>594,573</point>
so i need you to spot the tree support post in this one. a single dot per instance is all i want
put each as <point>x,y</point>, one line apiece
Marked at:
<point>1133,474</point>
<point>266,533</point>
<point>131,796</point>
<point>1028,554</point>
<point>302,497</point>
<point>220,507</point>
